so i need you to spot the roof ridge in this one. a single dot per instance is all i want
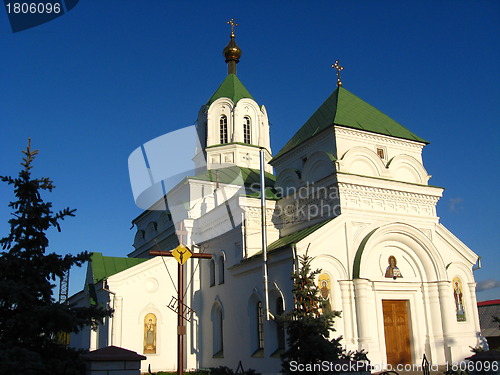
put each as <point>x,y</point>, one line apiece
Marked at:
<point>344,108</point>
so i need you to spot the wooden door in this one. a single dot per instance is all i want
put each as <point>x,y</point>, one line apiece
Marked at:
<point>397,331</point>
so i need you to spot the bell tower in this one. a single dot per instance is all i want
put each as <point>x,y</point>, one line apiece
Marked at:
<point>231,126</point>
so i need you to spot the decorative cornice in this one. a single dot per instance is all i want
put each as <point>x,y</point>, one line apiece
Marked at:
<point>387,200</point>
<point>341,130</point>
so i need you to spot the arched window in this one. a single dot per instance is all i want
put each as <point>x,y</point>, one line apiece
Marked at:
<point>150,334</point>
<point>221,270</point>
<point>280,328</point>
<point>247,130</point>
<point>212,272</point>
<point>223,129</point>
<point>217,330</point>
<point>260,326</point>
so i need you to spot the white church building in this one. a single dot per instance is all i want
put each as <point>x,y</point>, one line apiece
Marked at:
<point>349,188</point>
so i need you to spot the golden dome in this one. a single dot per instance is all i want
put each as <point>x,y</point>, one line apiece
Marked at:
<point>232,52</point>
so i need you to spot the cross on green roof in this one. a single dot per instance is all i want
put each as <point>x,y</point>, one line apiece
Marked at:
<point>346,109</point>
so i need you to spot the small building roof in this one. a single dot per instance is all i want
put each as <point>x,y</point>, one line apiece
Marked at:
<point>103,266</point>
<point>487,310</point>
<point>345,109</point>
<point>113,353</point>
<point>231,88</point>
<point>235,175</point>
<point>296,237</point>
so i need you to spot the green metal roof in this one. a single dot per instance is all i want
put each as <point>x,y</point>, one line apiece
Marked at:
<point>103,267</point>
<point>231,88</point>
<point>236,175</point>
<point>296,237</point>
<point>346,109</point>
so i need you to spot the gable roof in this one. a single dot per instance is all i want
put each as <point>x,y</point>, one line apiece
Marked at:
<point>231,88</point>
<point>346,109</point>
<point>103,267</point>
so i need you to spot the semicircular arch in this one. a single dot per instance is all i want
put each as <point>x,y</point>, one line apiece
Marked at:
<point>363,161</point>
<point>411,241</point>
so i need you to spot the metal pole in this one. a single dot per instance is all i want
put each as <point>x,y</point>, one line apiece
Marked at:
<point>181,328</point>
<point>264,232</point>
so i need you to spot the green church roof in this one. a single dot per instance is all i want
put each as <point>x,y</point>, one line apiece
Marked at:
<point>346,109</point>
<point>235,175</point>
<point>231,88</point>
<point>296,236</point>
<point>103,267</point>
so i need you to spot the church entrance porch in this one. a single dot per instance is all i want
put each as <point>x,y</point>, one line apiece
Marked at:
<point>397,331</point>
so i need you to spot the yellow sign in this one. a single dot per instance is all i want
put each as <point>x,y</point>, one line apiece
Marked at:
<point>181,253</point>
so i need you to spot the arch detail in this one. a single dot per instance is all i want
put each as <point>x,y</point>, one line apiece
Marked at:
<point>423,251</point>
<point>288,179</point>
<point>363,161</point>
<point>408,169</point>
<point>333,264</point>
<point>318,166</point>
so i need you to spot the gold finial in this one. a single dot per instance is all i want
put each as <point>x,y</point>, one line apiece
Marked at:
<point>233,24</point>
<point>339,68</point>
<point>232,52</point>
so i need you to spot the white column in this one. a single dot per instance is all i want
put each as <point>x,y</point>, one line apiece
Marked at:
<point>235,126</point>
<point>364,317</point>
<point>432,310</point>
<point>347,317</point>
<point>93,340</point>
<point>259,130</point>
<point>210,131</point>
<point>473,305</point>
<point>116,337</point>
<point>447,315</point>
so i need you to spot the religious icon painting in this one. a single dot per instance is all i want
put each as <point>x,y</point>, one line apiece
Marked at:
<point>392,271</point>
<point>150,334</point>
<point>325,290</point>
<point>459,299</point>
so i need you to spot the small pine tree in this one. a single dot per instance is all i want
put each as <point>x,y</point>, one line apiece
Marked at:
<point>309,323</point>
<point>30,318</point>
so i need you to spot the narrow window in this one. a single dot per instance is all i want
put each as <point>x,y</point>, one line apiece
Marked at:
<point>381,153</point>
<point>212,272</point>
<point>280,328</point>
<point>217,331</point>
<point>260,326</point>
<point>223,129</point>
<point>247,130</point>
<point>221,270</point>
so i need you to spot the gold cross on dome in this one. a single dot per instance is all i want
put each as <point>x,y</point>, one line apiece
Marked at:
<point>233,24</point>
<point>338,68</point>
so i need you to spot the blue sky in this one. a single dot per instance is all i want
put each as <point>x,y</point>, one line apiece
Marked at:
<point>98,82</point>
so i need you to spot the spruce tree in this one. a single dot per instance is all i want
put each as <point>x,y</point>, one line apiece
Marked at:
<point>309,323</point>
<point>30,317</point>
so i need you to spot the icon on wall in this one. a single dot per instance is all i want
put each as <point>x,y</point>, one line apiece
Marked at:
<point>459,299</point>
<point>325,290</point>
<point>392,270</point>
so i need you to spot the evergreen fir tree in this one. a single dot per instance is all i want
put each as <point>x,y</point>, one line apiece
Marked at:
<point>30,318</point>
<point>309,323</point>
